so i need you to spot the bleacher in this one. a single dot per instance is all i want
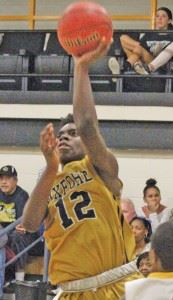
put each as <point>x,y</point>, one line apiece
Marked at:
<point>34,61</point>
<point>36,81</point>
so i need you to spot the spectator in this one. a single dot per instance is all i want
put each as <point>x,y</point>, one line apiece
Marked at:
<point>160,60</point>
<point>159,284</point>
<point>113,63</point>
<point>150,44</point>
<point>143,264</point>
<point>128,209</point>
<point>141,228</point>
<point>153,210</point>
<point>12,201</point>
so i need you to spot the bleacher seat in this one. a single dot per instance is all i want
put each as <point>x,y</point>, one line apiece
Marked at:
<point>15,48</point>
<point>52,45</point>
<point>52,59</point>
<point>100,73</point>
<point>12,42</point>
<point>11,64</point>
<point>103,83</point>
<point>51,64</point>
<point>144,85</point>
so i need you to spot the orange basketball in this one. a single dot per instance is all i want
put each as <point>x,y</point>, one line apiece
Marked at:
<point>82,26</point>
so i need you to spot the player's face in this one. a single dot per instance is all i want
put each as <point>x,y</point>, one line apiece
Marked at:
<point>139,231</point>
<point>145,266</point>
<point>162,20</point>
<point>8,184</point>
<point>70,144</point>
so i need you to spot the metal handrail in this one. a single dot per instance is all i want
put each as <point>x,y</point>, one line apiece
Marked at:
<point>12,260</point>
<point>154,75</point>
<point>23,251</point>
<point>53,30</point>
<point>10,227</point>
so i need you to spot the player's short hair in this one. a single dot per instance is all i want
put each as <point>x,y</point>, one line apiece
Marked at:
<point>68,119</point>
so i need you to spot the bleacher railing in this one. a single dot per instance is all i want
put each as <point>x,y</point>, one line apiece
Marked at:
<point>10,227</point>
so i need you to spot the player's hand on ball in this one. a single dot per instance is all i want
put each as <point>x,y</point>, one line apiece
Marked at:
<point>49,146</point>
<point>90,57</point>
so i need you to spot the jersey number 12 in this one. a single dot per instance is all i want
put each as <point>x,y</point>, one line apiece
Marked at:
<point>81,209</point>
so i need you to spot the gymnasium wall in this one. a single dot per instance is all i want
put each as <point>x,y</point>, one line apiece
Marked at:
<point>135,167</point>
<point>55,7</point>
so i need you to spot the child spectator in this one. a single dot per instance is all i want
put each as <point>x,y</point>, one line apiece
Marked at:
<point>143,264</point>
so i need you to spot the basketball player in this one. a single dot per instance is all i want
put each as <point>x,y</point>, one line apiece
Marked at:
<point>84,228</point>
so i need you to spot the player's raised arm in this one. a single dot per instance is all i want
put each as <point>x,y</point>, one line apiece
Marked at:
<point>36,207</point>
<point>86,118</point>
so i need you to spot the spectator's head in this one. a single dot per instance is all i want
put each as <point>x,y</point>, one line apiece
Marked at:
<point>161,253</point>
<point>151,194</point>
<point>128,209</point>
<point>8,179</point>
<point>70,145</point>
<point>163,18</point>
<point>143,264</point>
<point>141,229</point>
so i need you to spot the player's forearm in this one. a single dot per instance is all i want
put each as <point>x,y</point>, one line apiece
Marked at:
<point>83,102</point>
<point>36,206</point>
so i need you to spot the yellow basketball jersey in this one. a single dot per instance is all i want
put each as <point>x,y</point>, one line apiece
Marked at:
<point>83,228</point>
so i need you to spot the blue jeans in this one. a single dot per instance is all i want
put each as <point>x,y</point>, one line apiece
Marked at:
<point>2,269</point>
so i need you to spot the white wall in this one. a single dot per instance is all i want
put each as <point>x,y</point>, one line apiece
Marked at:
<point>28,164</point>
<point>135,168</point>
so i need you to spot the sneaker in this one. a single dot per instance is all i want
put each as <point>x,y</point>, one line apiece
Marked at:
<point>141,69</point>
<point>9,287</point>
<point>51,289</point>
<point>114,66</point>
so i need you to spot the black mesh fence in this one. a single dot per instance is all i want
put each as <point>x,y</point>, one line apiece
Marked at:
<point>30,290</point>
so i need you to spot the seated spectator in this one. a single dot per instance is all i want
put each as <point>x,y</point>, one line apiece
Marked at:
<point>159,284</point>
<point>143,264</point>
<point>150,44</point>
<point>12,201</point>
<point>153,210</point>
<point>141,228</point>
<point>129,43</point>
<point>128,209</point>
<point>131,40</point>
<point>160,60</point>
